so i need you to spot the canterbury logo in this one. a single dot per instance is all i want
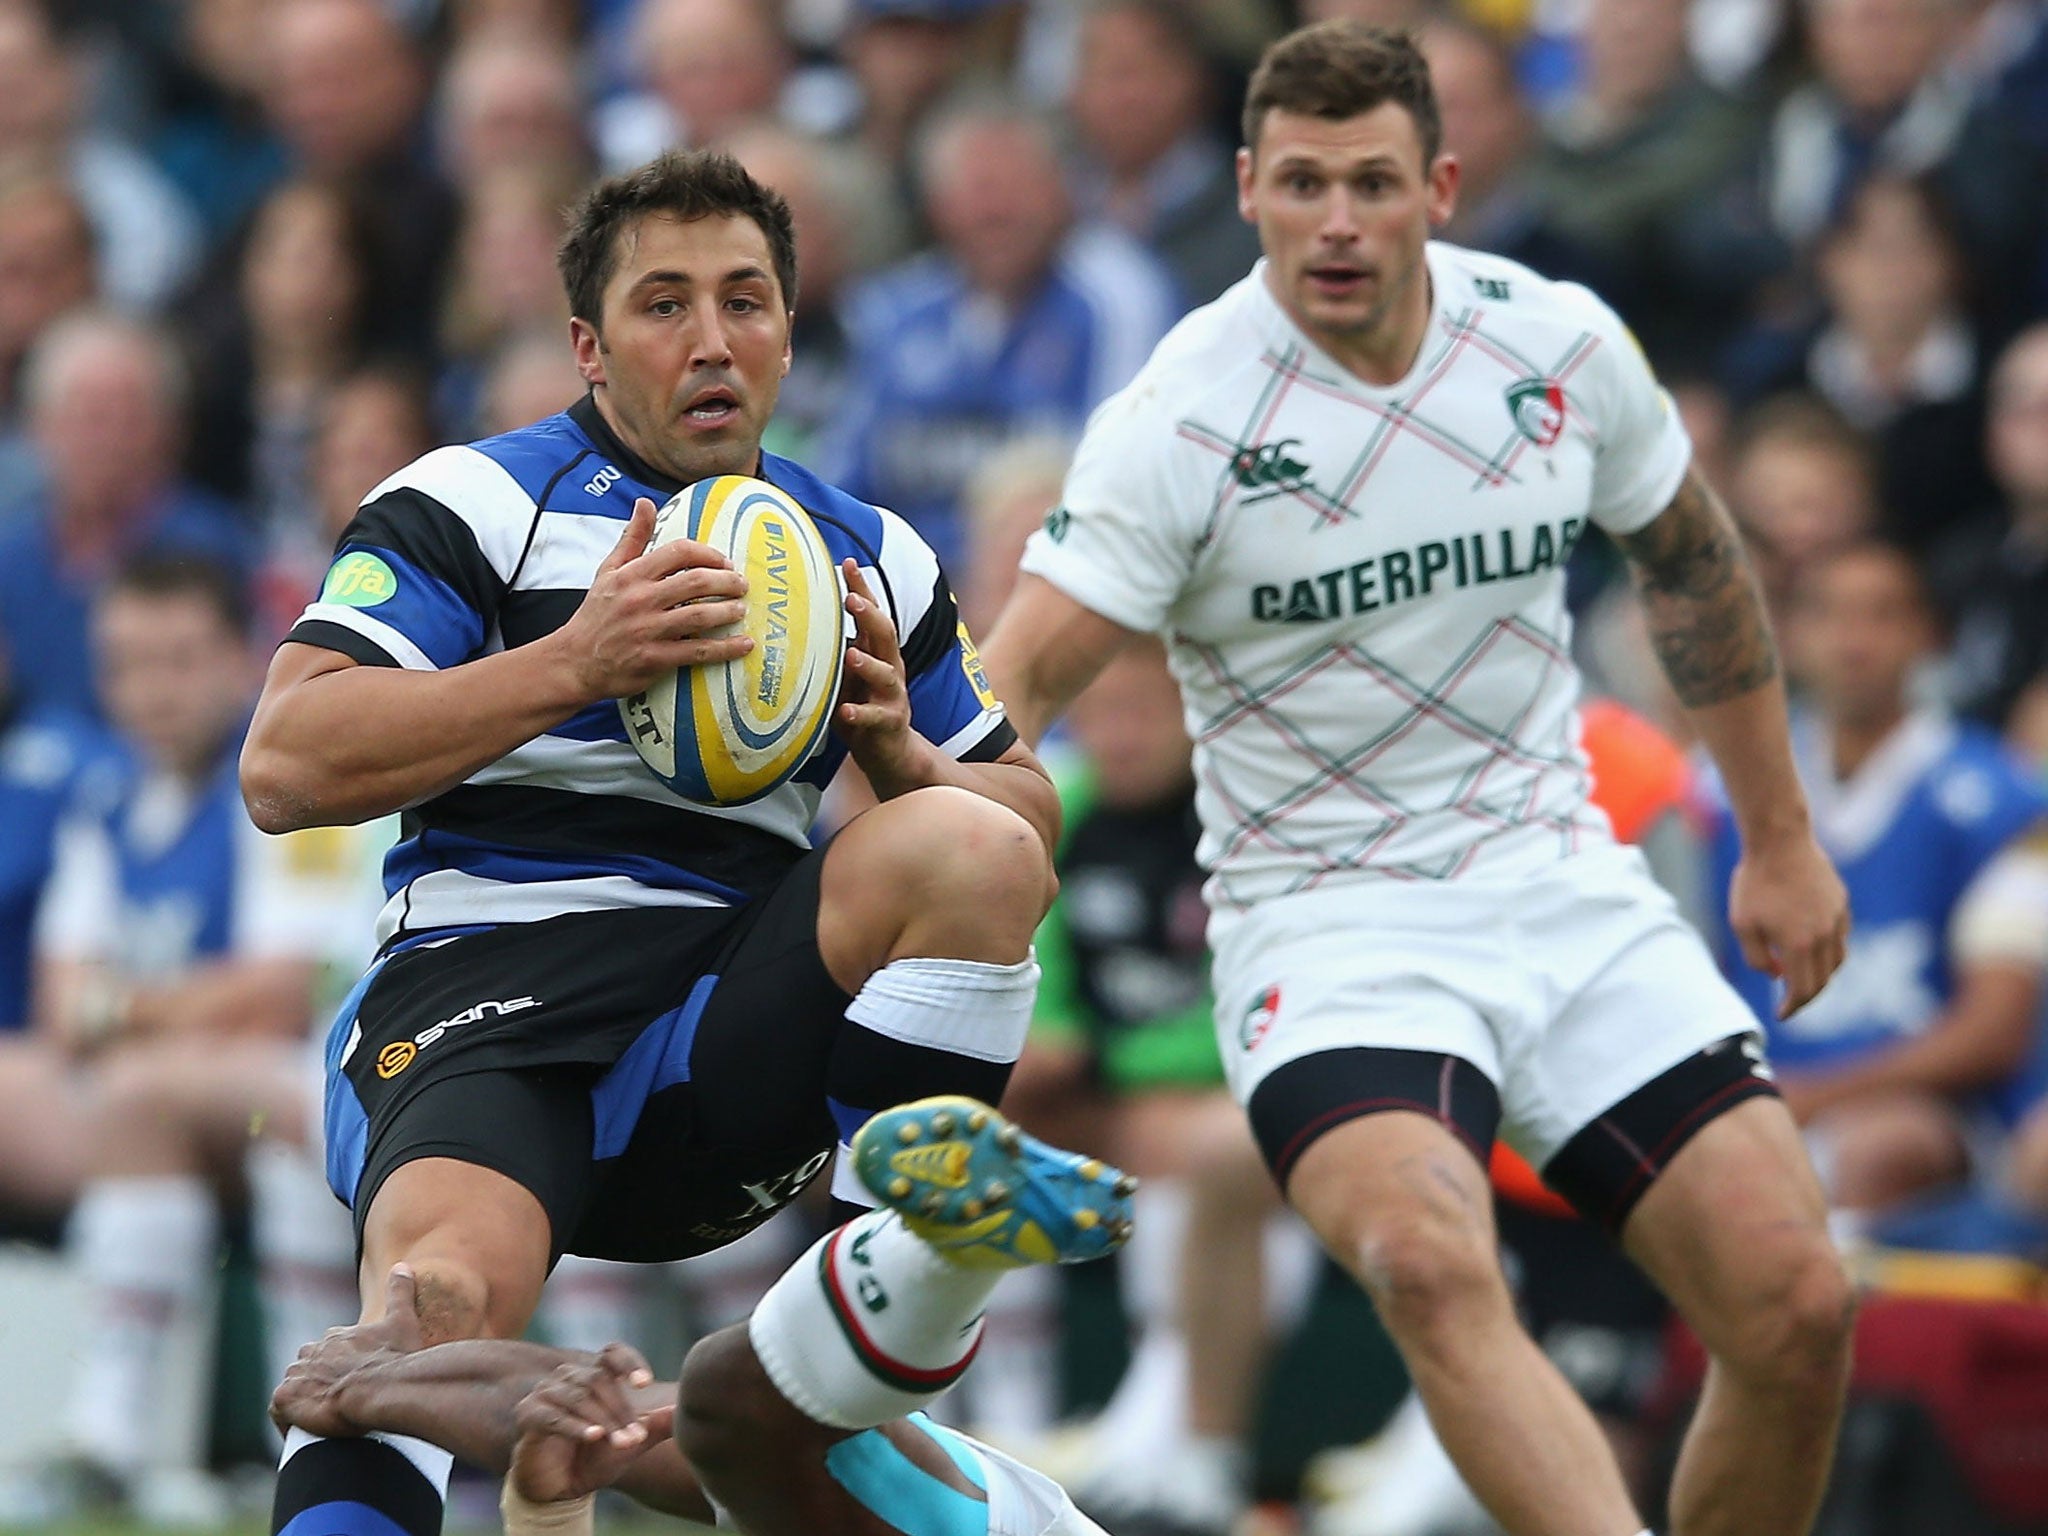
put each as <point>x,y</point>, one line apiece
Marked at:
<point>944,1165</point>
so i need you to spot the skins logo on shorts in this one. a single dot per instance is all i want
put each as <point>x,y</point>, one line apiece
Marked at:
<point>359,579</point>
<point>1538,408</point>
<point>395,1058</point>
<point>1258,1019</point>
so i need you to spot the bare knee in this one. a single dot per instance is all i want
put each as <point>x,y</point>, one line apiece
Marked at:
<point>726,1407</point>
<point>941,872</point>
<point>1429,1275</point>
<point>1796,1329</point>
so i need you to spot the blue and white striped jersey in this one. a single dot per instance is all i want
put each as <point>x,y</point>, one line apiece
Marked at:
<point>472,550</point>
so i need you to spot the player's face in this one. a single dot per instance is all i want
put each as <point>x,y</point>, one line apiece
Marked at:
<point>1343,208</point>
<point>695,344</point>
<point>1857,632</point>
<point>174,677</point>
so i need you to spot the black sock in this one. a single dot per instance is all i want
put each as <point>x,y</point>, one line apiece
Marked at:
<point>390,1485</point>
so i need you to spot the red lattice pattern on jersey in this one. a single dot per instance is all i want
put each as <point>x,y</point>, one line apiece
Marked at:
<point>1458,334</point>
<point>1403,705</point>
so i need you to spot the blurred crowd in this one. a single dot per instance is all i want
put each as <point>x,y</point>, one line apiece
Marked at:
<point>255,255</point>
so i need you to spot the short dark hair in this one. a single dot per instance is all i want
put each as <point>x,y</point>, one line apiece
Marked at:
<point>1343,68</point>
<point>684,184</point>
<point>173,574</point>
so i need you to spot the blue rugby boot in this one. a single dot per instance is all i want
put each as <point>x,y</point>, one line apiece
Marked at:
<point>985,1194</point>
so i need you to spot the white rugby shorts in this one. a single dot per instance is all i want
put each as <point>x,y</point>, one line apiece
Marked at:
<point>1569,988</point>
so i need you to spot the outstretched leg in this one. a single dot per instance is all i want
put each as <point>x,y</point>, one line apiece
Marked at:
<point>798,1426</point>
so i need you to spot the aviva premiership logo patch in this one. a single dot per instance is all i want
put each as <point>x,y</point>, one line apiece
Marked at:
<point>359,579</point>
<point>1258,1019</point>
<point>1538,408</point>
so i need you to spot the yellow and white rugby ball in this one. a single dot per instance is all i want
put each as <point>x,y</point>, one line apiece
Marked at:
<point>726,733</point>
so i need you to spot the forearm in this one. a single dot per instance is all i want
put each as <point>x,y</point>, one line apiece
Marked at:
<point>232,997</point>
<point>461,1396</point>
<point>344,746</point>
<point>1706,620</point>
<point>1982,1039</point>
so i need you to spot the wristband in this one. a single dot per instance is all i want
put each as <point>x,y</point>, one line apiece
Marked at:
<point>565,1517</point>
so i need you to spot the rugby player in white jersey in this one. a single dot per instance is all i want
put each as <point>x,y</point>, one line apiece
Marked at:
<point>1345,492</point>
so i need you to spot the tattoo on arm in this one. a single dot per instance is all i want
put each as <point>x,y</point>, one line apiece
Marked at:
<point>1700,594</point>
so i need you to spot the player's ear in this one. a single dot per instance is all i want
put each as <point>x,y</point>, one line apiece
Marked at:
<point>589,348</point>
<point>1441,191</point>
<point>1246,169</point>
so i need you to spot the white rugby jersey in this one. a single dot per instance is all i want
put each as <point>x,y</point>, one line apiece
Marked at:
<point>473,549</point>
<point>1363,587</point>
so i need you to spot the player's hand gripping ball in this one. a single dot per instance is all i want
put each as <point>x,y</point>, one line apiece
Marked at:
<point>725,733</point>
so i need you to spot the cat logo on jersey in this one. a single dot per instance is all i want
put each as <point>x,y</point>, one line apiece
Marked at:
<point>1259,1018</point>
<point>1269,469</point>
<point>1538,408</point>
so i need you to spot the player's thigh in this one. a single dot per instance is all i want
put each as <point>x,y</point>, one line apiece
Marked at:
<point>43,1142</point>
<point>1734,1231</point>
<point>1647,1049</point>
<point>218,1100</point>
<point>722,1114</point>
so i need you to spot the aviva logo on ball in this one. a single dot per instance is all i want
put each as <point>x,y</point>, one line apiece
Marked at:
<point>728,733</point>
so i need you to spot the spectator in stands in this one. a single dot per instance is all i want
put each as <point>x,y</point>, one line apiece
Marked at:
<point>906,56</point>
<point>1008,497</point>
<point>302,323</point>
<point>148,235</point>
<point>1627,158</point>
<point>1894,352</point>
<point>180,952</point>
<point>1802,483</point>
<point>346,87</point>
<point>1143,105</point>
<point>1994,577</point>
<point>1021,320</point>
<point>46,269</point>
<point>707,66</point>
<point>211,137</point>
<point>824,184</point>
<point>502,281</point>
<point>1881,99</point>
<point>106,400</point>
<point>1924,1021</point>
<point>1488,125</point>
<point>372,423</point>
<point>511,101</point>
<point>533,375</point>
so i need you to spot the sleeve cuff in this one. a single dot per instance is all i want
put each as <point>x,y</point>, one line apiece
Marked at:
<point>330,636</point>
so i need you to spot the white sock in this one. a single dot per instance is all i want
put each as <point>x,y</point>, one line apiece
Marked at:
<point>146,1249</point>
<point>1148,1410</point>
<point>870,1324</point>
<point>307,1249</point>
<point>1294,1265</point>
<point>589,1303</point>
<point>1013,1392</point>
<point>1148,1267</point>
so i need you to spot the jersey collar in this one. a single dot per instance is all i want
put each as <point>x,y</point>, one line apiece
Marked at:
<point>591,420</point>
<point>1284,336</point>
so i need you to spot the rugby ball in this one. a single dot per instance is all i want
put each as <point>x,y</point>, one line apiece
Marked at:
<point>726,733</point>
